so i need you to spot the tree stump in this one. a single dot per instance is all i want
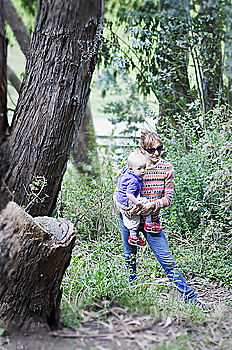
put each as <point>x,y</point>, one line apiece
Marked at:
<point>34,254</point>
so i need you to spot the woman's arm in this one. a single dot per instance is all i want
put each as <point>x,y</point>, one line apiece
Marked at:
<point>166,200</point>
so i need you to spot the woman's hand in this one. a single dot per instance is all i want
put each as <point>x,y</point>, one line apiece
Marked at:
<point>140,210</point>
<point>134,211</point>
<point>148,206</point>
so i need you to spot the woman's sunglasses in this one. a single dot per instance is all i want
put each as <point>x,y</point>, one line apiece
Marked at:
<point>154,149</point>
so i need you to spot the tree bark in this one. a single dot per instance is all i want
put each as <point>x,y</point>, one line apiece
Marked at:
<point>3,85</point>
<point>19,29</point>
<point>229,92</point>
<point>212,26</point>
<point>172,53</point>
<point>34,256</point>
<point>13,79</point>
<point>4,164</point>
<point>173,61</point>
<point>53,98</point>
<point>84,151</point>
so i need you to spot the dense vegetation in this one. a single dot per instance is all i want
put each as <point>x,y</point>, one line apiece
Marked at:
<point>169,61</point>
<point>197,224</point>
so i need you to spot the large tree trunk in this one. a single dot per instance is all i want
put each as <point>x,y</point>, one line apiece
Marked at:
<point>3,85</point>
<point>54,92</point>
<point>34,255</point>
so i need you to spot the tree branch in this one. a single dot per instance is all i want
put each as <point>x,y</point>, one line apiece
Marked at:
<point>18,27</point>
<point>13,79</point>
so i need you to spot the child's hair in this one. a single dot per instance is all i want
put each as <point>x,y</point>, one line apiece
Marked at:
<point>135,157</point>
<point>148,138</point>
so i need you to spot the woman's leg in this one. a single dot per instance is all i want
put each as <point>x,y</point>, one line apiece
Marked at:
<point>159,245</point>
<point>130,251</point>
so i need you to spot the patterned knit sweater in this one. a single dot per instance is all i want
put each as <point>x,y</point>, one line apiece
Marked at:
<point>158,185</point>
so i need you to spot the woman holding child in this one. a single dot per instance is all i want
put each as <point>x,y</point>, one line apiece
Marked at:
<point>157,188</point>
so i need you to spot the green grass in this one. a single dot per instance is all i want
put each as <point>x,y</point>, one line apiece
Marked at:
<point>97,275</point>
<point>200,247</point>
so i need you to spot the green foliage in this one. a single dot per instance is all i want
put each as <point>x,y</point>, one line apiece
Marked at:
<point>26,10</point>
<point>130,109</point>
<point>201,211</point>
<point>96,276</point>
<point>88,203</point>
<point>35,191</point>
<point>173,50</point>
<point>29,6</point>
<point>198,225</point>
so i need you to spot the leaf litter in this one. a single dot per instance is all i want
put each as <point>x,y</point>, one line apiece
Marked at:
<point>121,330</point>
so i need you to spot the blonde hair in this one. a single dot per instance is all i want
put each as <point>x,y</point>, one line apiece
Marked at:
<point>148,138</point>
<point>135,157</point>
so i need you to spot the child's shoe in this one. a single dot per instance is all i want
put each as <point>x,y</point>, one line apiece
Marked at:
<point>137,241</point>
<point>153,228</point>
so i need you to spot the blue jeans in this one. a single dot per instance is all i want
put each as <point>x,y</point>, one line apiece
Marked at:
<point>159,246</point>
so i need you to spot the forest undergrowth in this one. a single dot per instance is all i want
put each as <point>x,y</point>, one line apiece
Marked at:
<point>99,308</point>
<point>197,225</point>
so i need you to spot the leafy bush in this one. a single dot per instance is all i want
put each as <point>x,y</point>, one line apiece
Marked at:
<point>87,202</point>
<point>201,211</point>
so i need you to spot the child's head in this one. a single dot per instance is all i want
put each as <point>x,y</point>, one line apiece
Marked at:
<point>137,163</point>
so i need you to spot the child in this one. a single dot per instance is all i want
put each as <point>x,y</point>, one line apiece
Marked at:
<point>128,196</point>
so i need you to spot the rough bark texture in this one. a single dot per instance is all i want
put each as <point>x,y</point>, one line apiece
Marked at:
<point>4,163</point>
<point>230,92</point>
<point>54,93</point>
<point>34,255</point>
<point>19,29</point>
<point>3,85</point>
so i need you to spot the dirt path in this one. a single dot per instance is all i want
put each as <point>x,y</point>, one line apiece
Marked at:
<point>122,331</point>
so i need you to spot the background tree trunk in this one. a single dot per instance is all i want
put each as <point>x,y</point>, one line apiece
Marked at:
<point>172,54</point>
<point>229,92</point>
<point>84,151</point>
<point>211,22</point>
<point>3,85</point>
<point>40,251</point>
<point>19,29</point>
<point>13,79</point>
<point>54,93</point>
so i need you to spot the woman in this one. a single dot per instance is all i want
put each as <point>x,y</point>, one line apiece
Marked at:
<point>158,187</point>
